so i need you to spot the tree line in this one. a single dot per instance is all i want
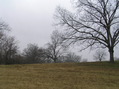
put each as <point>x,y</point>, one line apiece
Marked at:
<point>54,51</point>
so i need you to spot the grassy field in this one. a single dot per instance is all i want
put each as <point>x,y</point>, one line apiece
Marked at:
<point>60,76</point>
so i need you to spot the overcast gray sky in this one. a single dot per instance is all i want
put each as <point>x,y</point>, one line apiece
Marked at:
<point>31,20</point>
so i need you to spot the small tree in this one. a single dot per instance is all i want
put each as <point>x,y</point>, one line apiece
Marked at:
<point>31,53</point>
<point>100,55</point>
<point>72,57</point>
<point>54,48</point>
<point>34,54</point>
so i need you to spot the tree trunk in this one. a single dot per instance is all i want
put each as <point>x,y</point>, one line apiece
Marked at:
<point>111,55</point>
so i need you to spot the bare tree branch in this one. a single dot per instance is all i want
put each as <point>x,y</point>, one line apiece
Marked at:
<point>94,24</point>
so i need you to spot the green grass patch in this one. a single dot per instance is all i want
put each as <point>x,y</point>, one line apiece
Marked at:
<point>60,76</point>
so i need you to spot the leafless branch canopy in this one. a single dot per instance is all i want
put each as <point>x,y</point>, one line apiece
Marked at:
<point>95,22</point>
<point>55,48</point>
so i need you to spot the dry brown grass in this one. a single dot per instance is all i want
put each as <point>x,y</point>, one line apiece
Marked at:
<point>60,76</point>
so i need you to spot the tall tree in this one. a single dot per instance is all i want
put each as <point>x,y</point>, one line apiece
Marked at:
<point>95,23</point>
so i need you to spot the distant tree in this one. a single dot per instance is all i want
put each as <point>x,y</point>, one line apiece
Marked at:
<point>8,45</point>
<point>31,53</point>
<point>72,57</point>
<point>95,23</point>
<point>18,59</point>
<point>8,49</point>
<point>100,55</point>
<point>34,54</point>
<point>3,27</point>
<point>54,48</point>
<point>42,56</point>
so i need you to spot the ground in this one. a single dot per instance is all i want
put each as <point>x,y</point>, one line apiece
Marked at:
<point>60,76</point>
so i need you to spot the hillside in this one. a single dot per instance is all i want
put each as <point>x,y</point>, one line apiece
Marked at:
<point>60,76</point>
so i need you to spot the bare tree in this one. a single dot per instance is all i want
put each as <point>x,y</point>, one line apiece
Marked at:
<point>72,57</point>
<point>34,54</point>
<point>8,49</point>
<point>31,53</point>
<point>54,48</point>
<point>95,23</point>
<point>8,46</point>
<point>100,55</point>
<point>3,28</point>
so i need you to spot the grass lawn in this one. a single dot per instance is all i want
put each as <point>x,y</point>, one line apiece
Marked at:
<point>60,76</point>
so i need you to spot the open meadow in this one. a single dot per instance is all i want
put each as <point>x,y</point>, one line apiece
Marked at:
<point>60,76</point>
